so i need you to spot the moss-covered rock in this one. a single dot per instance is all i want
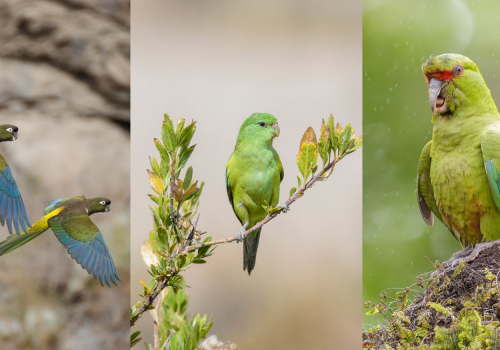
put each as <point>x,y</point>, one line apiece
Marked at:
<point>453,308</point>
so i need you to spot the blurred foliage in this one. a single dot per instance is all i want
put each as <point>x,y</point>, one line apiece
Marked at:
<point>397,37</point>
<point>169,250</point>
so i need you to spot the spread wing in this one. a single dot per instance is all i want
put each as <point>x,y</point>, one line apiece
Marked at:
<point>12,209</point>
<point>425,192</point>
<point>85,244</point>
<point>490,145</point>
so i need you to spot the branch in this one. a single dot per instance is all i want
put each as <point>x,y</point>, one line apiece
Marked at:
<point>149,299</point>
<point>268,218</point>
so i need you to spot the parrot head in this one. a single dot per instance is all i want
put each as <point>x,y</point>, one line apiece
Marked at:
<point>262,126</point>
<point>456,87</point>
<point>8,132</point>
<point>99,205</point>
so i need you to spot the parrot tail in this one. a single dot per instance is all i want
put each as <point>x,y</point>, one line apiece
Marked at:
<point>15,241</point>
<point>250,247</point>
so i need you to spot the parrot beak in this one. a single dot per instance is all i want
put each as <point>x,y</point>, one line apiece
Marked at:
<point>15,135</point>
<point>438,104</point>
<point>108,207</point>
<point>276,128</point>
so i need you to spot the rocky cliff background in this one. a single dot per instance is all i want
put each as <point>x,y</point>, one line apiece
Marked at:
<point>65,82</point>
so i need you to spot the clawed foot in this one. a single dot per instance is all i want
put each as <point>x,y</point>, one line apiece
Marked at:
<point>283,206</point>
<point>241,233</point>
<point>469,254</point>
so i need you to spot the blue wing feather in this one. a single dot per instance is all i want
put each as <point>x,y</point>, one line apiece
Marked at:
<point>93,255</point>
<point>12,208</point>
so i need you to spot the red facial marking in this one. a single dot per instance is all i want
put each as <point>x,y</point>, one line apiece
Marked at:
<point>445,75</point>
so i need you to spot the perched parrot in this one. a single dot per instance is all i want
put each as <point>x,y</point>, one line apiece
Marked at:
<point>11,204</point>
<point>253,176</point>
<point>458,172</point>
<point>70,221</point>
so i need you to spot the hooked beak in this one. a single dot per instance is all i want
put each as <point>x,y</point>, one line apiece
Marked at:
<point>276,128</point>
<point>437,101</point>
<point>108,207</point>
<point>15,133</point>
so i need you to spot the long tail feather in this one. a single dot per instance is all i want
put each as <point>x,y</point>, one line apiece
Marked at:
<point>250,247</point>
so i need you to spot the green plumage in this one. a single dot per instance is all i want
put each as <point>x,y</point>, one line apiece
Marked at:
<point>253,176</point>
<point>458,178</point>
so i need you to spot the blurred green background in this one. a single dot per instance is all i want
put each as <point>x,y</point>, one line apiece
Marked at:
<point>397,37</point>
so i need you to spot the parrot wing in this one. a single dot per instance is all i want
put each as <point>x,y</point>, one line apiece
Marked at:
<point>490,146</point>
<point>11,204</point>
<point>425,192</point>
<point>230,190</point>
<point>85,243</point>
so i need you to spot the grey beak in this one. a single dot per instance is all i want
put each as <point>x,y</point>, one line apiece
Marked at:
<point>108,207</point>
<point>15,133</point>
<point>435,87</point>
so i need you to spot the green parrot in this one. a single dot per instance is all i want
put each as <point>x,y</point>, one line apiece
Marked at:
<point>70,221</point>
<point>12,209</point>
<point>253,176</point>
<point>458,173</point>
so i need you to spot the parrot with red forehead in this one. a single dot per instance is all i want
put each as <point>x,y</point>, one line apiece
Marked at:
<point>458,173</point>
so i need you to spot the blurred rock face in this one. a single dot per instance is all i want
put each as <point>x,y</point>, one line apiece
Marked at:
<point>65,82</point>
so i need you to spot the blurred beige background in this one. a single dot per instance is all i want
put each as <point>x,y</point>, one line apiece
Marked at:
<point>217,62</point>
<point>64,81</point>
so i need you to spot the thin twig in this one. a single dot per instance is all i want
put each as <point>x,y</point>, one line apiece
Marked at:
<point>149,299</point>
<point>268,218</point>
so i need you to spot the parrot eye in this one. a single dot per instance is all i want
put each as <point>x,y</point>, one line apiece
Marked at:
<point>102,202</point>
<point>262,124</point>
<point>9,129</point>
<point>458,70</point>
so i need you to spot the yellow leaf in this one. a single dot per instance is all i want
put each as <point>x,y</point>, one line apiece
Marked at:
<point>155,182</point>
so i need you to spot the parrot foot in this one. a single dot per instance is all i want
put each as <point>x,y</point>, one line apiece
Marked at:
<point>469,254</point>
<point>283,206</point>
<point>241,233</point>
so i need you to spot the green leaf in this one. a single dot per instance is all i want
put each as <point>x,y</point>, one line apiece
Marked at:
<point>308,154</point>
<point>199,261</point>
<point>155,199</point>
<point>168,119</point>
<point>184,156</point>
<point>299,181</point>
<point>179,127</point>
<point>162,150</point>
<point>186,135</point>
<point>188,178</point>
<point>169,139</point>
<point>133,338</point>
<point>324,143</point>
<point>292,191</point>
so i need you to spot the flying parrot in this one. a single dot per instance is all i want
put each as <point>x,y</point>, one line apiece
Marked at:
<point>12,209</point>
<point>69,220</point>
<point>253,176</point>
<point>458,172</point>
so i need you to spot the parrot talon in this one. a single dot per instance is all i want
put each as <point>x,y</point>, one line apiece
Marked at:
<point>241,233</point>
<point>283,206</point>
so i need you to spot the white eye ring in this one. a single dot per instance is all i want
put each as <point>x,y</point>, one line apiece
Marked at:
<point>9,129</point>
<point>103,202</point>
